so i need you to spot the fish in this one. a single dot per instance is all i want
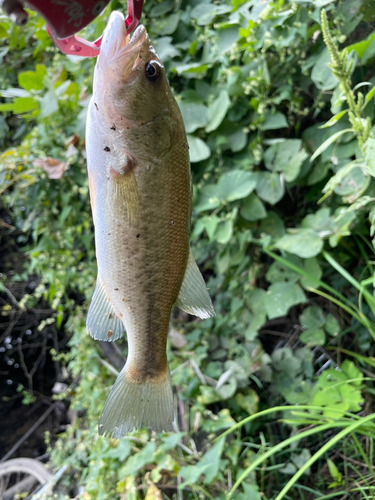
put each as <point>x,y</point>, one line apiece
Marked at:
<point>141,199</point>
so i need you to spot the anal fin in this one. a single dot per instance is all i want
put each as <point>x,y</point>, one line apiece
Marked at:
<point>193,297</point>
<point>102,322</point>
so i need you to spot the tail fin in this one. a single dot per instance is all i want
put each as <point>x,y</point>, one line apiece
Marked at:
<point>131,404</point>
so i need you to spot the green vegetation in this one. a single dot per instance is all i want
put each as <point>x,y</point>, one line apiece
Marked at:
<point>278,103</point>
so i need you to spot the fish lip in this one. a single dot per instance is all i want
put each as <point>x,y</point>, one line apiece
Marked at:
<point>116,43</point>
<point>136,40</point>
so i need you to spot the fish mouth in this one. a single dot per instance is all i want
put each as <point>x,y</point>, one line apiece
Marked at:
<point>119,50</point>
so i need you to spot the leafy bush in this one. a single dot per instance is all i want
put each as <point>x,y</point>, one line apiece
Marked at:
<point>278,103</point>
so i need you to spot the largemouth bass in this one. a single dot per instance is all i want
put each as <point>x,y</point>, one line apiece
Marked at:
<point>141,195</point>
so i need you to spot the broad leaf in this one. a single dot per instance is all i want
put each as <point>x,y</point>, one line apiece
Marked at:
<point>280,297</point>
<point>217,111</point>
<point>313,337</point>
<point>253,209</point>
<point>198,149</point>
<point>304,242</point>
<point>236,184</point>
<point>270,188</point>
<point>194,115</point>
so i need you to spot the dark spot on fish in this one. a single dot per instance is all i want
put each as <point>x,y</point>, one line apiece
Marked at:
<point>109,334</point>
<point>111,315</point>
<point>107,149</point>
<point>116,289</point>
<point>109,234</point>
<point>113,127</point>
<point>127,128</point>
<point>138,235</point>
<point>96,106</point>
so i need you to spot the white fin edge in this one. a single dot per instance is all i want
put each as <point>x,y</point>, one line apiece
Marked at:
<point>131,405</point>
<point>102,322</point>
<point>193,297</point>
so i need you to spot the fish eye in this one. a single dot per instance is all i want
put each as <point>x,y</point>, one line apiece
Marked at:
<point>153,71</point>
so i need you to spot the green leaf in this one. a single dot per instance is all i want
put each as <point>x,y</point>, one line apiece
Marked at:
<point>10,92</point>
<point>354,182</point>
<point>304,242</point>
<point>171,441</point>
<point>198,149</point>
<point>252,208</point>
<point>3,33</point>
<point>280,272</point>
<point>205,13</point>
<point>312,317</point>
<point>227,38</point>
<point>208,466</point>
<point>208,198</point>
<point>211,461</point>
<point>318,173</point>
<point>334,119</point>
<point>224,232</point>
<point>194,115</point>
<point>269,187</point>
<point>329,141</point>
<point>352,373</point>
<point>49,104</point>
<point>210,225</point>
<point>370,95</point>
<point>136,462</point>
<point>332,326</point>
<point>237,140</point>
<point>121,451</point>
<point>333,470</point>
<point>217,111</point>
<point>236,184</point>
<point>320,221</point>
<point>273,225</point>
<point>313,337</point>
<point>361,46</point>
<point>280,297</point>
<point>165,48</point>
<point>286,157</point>
<point>321,74</point>
<point>311,267</point>
<point>369,148</point>
<point>161,8</point>
<point>352,397</point>
<point>20,105</point>
<point>248,402</point>
<point>191,69</point>
<point>339,176</point>
<point>167,25</point>
<point>274,121</point>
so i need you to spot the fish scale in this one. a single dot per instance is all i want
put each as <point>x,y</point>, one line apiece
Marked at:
<point>140,189</point>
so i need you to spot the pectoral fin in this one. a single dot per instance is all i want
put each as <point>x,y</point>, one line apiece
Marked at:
<point>102,321</point>
<point>193,297</point>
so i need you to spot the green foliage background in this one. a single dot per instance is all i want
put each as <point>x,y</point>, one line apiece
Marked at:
<point>290,271</point>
